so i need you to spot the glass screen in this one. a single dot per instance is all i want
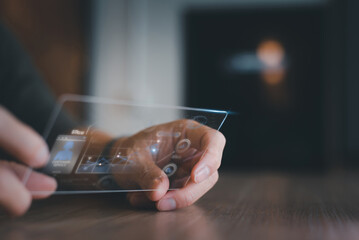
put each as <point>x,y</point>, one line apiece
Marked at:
<point>101,145</point>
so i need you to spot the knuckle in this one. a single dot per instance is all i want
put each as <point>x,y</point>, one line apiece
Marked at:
<point>145,175</point>
<point>189,123</point>
<point>181,121</point>
<point>184,123</point>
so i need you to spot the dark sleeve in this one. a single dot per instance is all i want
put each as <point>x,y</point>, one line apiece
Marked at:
<point>22,91</point>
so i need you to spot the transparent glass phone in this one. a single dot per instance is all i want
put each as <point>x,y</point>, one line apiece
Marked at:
<point>105,145</point>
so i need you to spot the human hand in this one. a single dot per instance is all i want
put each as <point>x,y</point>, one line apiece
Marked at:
<point>195,149</point>
<point>29,148</point>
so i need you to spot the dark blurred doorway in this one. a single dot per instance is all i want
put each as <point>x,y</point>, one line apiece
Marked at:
<point>266,65</point>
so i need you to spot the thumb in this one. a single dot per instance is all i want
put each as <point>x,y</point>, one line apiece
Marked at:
<point>21,141</point>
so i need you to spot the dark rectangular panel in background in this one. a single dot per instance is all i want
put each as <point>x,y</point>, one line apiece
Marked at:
<point>267,66</point>
<point>352,64</point>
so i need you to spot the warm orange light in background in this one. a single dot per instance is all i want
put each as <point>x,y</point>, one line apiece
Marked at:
<point>273,77</point>
<point>271,53</point>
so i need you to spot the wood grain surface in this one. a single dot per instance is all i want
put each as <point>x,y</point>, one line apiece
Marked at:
<point>240,206</point>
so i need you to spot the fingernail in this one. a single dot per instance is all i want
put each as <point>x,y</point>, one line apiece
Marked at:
<point>46,188</point>
<point>50,182</point>
<point>167,204</point>
<point>42,156</point>
<point>201,174</point>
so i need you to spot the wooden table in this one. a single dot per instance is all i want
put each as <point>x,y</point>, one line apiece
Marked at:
<point>241,206</point>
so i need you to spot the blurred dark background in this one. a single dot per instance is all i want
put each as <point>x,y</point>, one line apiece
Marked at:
<point>279,121</point>
<point>287,74</point>
<point>287,70</point>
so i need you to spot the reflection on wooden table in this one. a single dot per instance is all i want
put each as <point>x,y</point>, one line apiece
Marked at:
<point>241,206</point>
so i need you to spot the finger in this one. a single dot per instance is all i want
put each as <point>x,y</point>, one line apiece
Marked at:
<point>14,197</point>
<point>140,200</point>
<point>151,177</point>
<point>21,141</point>
<point>202,139</point>
<point>39,185</point>
<point>186,196</point>
<point>212,143</point>
<point>143,172</point>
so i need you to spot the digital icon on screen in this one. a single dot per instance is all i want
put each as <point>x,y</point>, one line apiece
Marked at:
<point>66,153</point>
<point>170,169</point>
<point>183,145</point>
